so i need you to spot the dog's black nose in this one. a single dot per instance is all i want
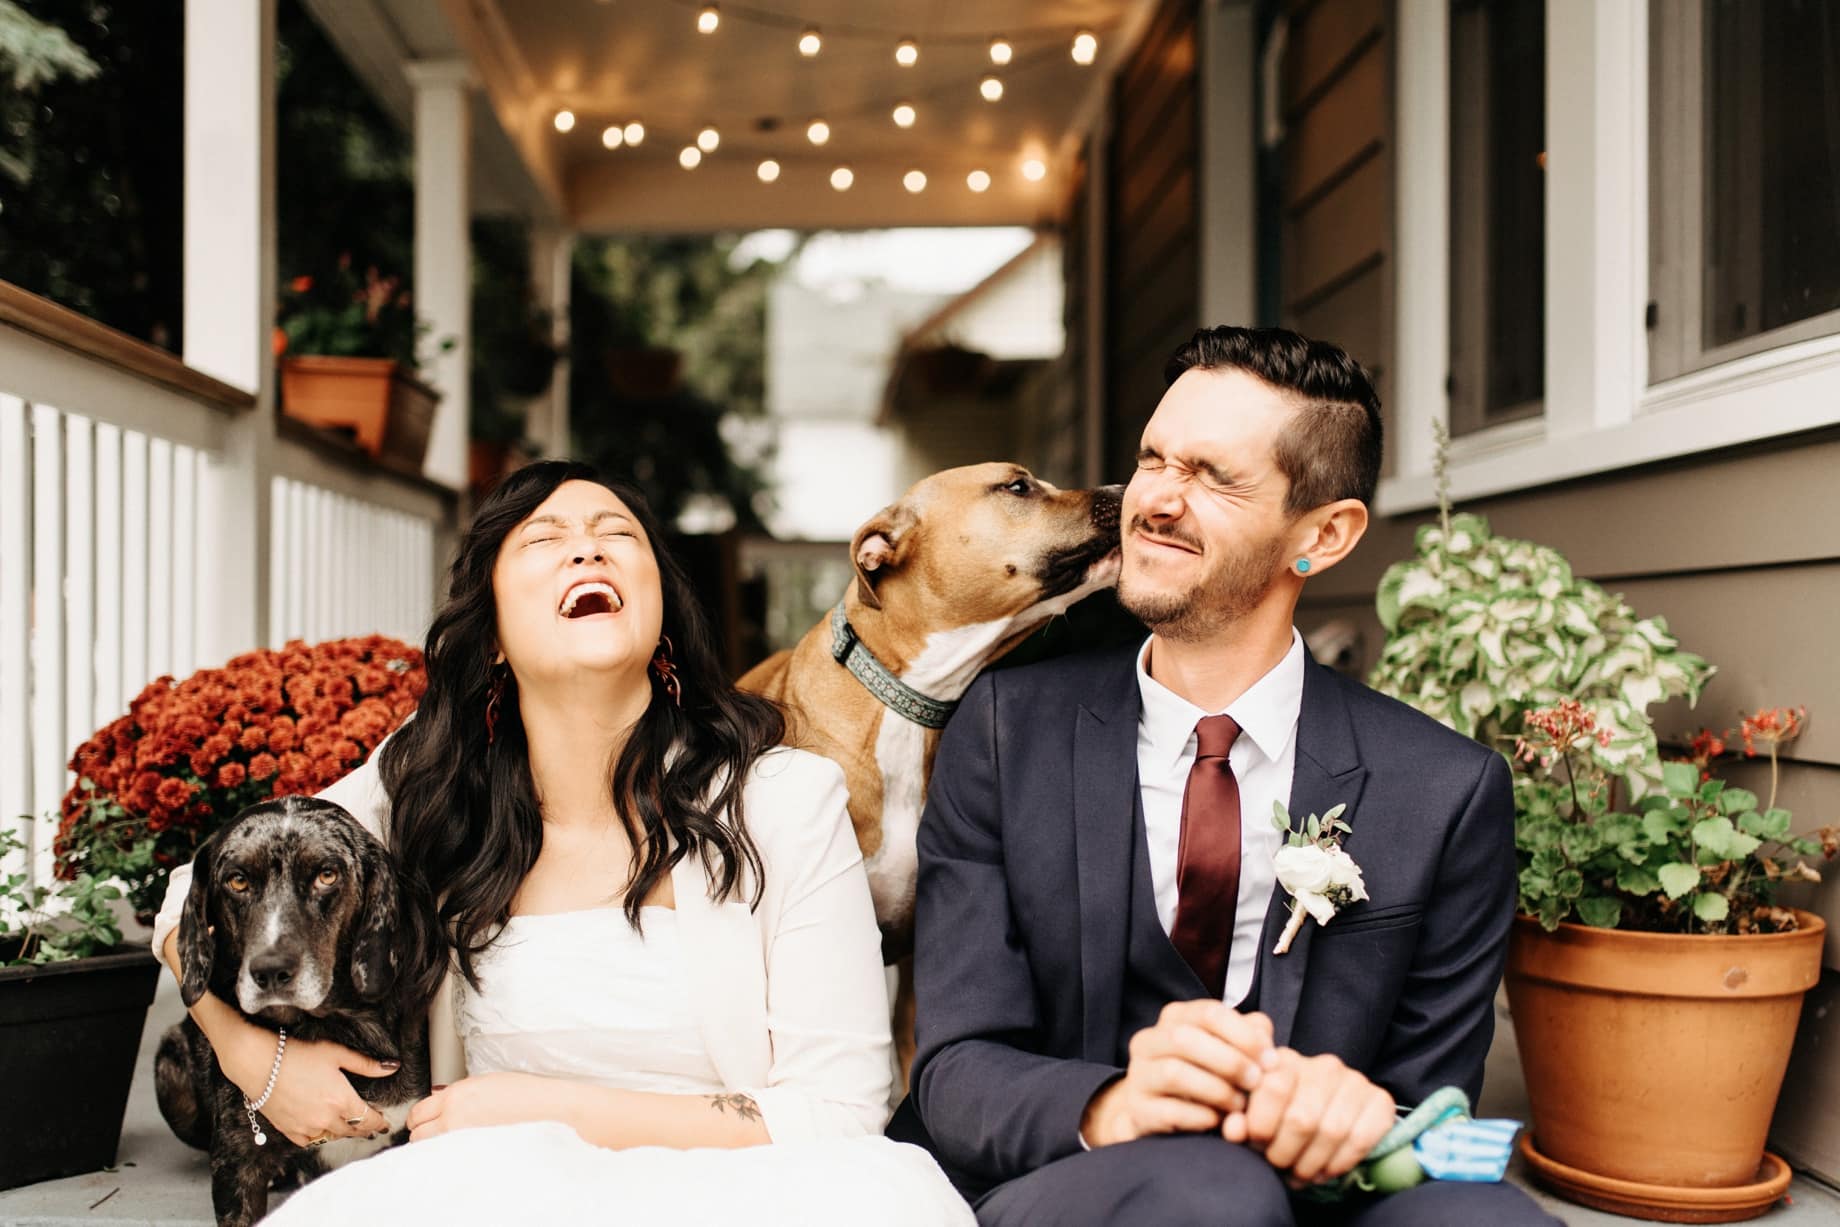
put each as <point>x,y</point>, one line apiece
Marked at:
<point>272,971</point>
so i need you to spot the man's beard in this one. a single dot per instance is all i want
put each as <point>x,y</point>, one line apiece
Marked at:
<point>1228,592</point>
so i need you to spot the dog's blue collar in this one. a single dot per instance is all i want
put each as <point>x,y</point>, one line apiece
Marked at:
<point>894,694</point>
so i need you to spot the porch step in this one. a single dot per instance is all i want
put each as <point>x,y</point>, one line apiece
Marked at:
<point>161,1182</point>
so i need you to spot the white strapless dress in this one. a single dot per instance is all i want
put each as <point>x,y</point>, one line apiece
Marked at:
<point>580,995</point>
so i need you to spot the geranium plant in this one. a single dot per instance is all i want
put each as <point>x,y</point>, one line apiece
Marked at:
<point>156,782</point>
<point>1498,639</point>
<point>339,315</point>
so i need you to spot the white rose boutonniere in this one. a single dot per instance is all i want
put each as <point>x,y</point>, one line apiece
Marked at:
<point>1314,870</point>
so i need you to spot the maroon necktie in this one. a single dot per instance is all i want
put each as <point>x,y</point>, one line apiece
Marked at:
<point>1207,867</point>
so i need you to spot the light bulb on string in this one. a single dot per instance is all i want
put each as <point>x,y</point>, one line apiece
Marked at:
<point>978,180</point>
<point>689,157</point>
<point>809,42</point>
<point>565,121</point>
<point>1000,51</point>
<point>817,132</point>
<point>904,115</point>
<point>768,171</point>
<point>1034,170</point>
<point>635,132</point>
<point>708,139</point>
<point>914,181</point>
<point>991,88</point>
<point>906,52</point>
<point>841,178</point>
<point>612,137</point>
<point>708,19</point>
<point>1085,47</point>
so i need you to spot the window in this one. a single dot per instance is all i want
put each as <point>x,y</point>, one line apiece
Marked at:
<point>1497,211</point>
<point>1745,178</point>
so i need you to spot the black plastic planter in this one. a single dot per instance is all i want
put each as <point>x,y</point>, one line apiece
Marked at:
<point>69,1035</point>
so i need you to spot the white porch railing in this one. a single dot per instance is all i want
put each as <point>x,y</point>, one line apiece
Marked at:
<point>111,566</point>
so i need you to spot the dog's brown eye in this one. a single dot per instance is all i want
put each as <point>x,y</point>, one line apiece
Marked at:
<point>1020,486</point>
<point>328,877</point>
<point>237,882</point>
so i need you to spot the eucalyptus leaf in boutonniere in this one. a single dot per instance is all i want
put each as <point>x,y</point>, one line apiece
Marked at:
<point>1314,869</point>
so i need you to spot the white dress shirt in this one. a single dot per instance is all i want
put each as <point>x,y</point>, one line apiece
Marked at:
<point>1263,759</point>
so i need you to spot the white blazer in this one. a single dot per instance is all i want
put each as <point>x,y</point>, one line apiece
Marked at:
<point>791,998</point>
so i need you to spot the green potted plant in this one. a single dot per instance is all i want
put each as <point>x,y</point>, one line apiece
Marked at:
<point>73,1000</point>
<point>348,362</point>
<point>1653,981</point>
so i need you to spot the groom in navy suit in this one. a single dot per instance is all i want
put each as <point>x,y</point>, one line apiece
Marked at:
<point>1104,1032</point>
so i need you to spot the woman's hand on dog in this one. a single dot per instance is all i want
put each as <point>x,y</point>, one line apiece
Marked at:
<point>488,1099</point>
<point>313,1099</point>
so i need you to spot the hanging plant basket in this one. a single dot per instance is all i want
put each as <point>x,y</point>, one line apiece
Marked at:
<point>387,410</point>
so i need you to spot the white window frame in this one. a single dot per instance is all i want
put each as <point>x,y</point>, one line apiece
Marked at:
<point>1602,413</point>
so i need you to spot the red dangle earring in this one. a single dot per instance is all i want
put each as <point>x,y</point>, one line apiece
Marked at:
<point>496,697</point>
<point>665,670</point>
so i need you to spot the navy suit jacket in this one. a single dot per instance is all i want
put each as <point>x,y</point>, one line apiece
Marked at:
<point>1024,890</point>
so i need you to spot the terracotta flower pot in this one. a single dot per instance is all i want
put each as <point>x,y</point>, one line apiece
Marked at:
<point>387,409</point>
<point>1656,1058</point>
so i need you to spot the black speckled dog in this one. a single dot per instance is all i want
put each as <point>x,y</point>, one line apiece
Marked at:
<point>293,917</point>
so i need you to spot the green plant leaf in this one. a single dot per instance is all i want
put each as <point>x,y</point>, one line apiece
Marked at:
<point>1677,879</point>
<point>1737,801</point>
<point>1720,839</point>
<point>1638,880</point>
<point>1680,779</point>
<point>1766,824</point>
<point>1600,911</point>
<point>1711,908</point>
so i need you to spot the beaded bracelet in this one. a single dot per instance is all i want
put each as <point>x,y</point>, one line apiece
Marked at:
<point>273,1073</point>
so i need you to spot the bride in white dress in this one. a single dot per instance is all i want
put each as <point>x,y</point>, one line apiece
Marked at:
<point>629,1000</point>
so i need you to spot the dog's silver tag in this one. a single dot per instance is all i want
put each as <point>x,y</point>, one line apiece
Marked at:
<point>261,1138</point>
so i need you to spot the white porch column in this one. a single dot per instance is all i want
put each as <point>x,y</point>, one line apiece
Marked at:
<point>230,303</point>
<point>1421,207</point>
<point>552,252</point>
<point>1229,163</point>
<point>444,254</point>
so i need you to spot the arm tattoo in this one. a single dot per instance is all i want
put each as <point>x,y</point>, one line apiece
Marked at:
<point>742,1105</point>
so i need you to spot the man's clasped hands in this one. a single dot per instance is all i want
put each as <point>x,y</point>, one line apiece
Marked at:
<point>1206,1066</point>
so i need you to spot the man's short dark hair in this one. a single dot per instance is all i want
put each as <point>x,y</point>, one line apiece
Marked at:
<point>1330,449</point>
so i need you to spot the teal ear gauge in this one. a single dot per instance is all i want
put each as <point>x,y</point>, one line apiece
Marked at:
<point>1303,566</point>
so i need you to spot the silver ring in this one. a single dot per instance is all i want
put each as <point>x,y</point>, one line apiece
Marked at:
<point>355,1121</point>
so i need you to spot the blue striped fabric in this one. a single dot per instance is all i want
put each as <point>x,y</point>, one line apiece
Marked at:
<point>1467,1150</point>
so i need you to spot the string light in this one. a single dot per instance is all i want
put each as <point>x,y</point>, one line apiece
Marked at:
<point>1000,51</point>
<point>708,19</point>
<point>1085,47</point>
<point>1034,170</point>
<point>978,180</point>
<point>768,171</point>
<point>991,88</point>
<point>708,139</point>
<point>635,132</point>
<point>809,42</point>
<point>906,52</point>
<point>914,181</point>
<point>841,178</point>
<point>904,115</point>
<point>565,121</point>
<point>689,157</point>
<point>818,132</point>
<point>612,137</point>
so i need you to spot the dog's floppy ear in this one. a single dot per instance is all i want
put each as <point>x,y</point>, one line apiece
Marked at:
<point>374,953</point>
<point>877,548</point>
<point>197,944</point>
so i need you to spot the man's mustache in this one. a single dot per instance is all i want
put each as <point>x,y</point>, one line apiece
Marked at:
<point>1139,524</point>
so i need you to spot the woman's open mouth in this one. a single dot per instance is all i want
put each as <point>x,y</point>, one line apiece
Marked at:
<point>589,598</point>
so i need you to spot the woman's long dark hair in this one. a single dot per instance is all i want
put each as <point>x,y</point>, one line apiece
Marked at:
<point>464,821</point>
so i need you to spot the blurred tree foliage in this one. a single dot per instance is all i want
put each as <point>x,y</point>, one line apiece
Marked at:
<point>91,135</point>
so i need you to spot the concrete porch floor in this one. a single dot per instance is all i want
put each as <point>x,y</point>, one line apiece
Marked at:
<point>160,1182</point>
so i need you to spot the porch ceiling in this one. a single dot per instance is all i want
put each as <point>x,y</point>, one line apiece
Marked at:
<point>617,61</point>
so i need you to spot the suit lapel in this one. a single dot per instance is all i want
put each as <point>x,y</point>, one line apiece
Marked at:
<point>1328,773</point>
<point>1104,806</point>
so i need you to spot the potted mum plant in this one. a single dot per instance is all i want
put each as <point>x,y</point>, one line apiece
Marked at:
<point>189,755</point>
<point>73,1000</point>
<point>348,362</point>
<point>1654,982</point>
